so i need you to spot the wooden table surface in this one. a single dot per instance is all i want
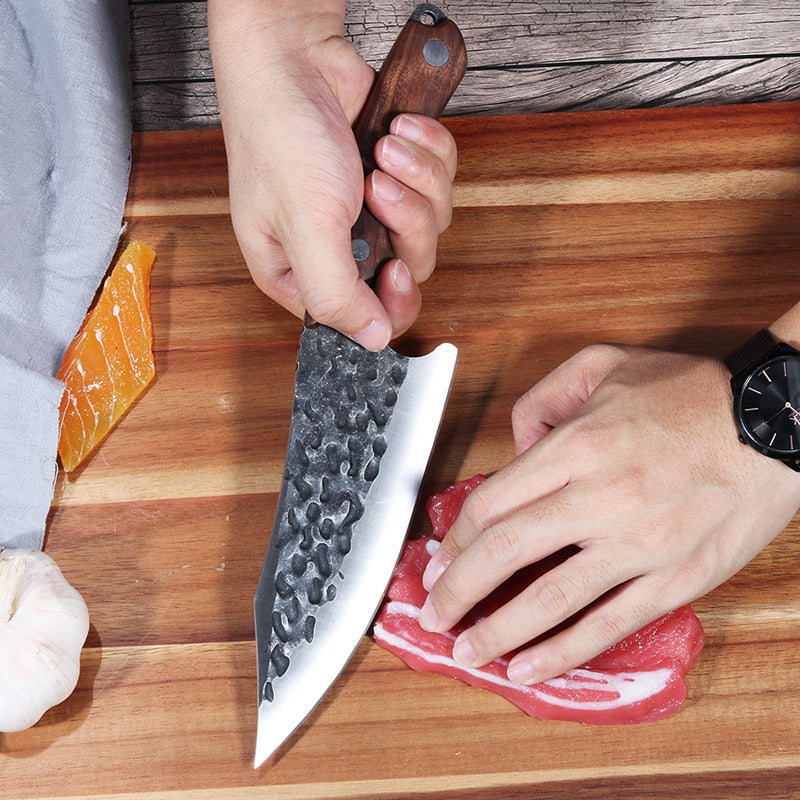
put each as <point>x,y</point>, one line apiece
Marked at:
<point>671,228</point>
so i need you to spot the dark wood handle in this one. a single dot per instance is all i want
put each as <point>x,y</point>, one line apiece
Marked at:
<point>419,75</point>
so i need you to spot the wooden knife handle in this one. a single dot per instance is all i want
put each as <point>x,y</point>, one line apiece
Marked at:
<point>419,75</point>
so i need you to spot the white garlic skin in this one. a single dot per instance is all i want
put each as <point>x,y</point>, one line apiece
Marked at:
<point>43,626</point>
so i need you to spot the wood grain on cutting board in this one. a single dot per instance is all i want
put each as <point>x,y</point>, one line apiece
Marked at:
<point>676,228</point>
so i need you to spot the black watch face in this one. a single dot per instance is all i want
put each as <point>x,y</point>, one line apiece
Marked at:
<point>768,407</point>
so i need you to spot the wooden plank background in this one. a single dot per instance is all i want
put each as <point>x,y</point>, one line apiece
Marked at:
<point>525,55</point>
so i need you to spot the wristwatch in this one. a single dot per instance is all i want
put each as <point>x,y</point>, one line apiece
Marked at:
<point>765,378</point>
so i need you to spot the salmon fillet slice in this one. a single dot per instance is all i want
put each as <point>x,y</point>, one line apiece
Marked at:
<point>110,361</point>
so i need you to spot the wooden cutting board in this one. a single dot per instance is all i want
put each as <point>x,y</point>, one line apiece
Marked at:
<point>676,229</point>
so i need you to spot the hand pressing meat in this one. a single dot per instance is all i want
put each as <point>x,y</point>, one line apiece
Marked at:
<point>641,679</point>
<point>631,457</point>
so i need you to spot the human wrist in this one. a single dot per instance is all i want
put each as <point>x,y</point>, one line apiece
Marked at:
<point>787,327</point>
<point>282,27</point>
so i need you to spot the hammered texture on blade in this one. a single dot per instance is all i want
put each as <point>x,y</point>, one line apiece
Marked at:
<point>344,398</point>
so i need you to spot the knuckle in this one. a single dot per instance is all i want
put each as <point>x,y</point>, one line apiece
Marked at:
<point>591,437</point>
<point>443,209</point>
<point>328,308</point>
<point>637,488</point>
<point>439,185</point>
<point>422,219</point>
<point>443,144</point>
<point>601,352</point>
<point>631,489</point>
<point>446,592</point>
<point>423,271</point>
<point>608,628</point>
<point>415,221</point>
<point>593,430</point>
<point>419,253</point>
<point>557,656</point>
<point>502,543</point>
<point>430,179</point>
<point>555,597</point>
<point>520,410</point>
<point>691,577</point>
<point>489,640</point>
<point>449,153</point>
<point>476,511</point>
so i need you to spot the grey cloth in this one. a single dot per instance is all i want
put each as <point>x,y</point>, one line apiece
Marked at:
<point>65,143</point>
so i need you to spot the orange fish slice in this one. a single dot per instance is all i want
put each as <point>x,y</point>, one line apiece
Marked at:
<point>110,361</point>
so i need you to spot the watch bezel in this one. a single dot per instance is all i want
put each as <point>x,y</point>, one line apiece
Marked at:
<point>745,431</point>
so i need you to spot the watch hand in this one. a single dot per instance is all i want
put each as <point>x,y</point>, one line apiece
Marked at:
<point>767,421</point>
<point>795,415</point>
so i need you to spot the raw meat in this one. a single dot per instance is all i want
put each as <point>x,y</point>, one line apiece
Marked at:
<point>641,679</point>
<point>443,508</point>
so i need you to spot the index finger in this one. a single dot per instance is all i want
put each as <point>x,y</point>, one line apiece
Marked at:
<point>529,477</point>
<point>334,294</point>
<point>519,540</point>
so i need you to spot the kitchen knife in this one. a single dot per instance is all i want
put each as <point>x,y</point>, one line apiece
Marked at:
<point>362,430</point>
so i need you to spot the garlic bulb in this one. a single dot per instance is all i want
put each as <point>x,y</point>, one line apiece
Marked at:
<point>43,625</point>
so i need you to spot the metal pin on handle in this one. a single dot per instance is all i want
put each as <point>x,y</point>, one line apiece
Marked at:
<point>360,248</point>
<point>436,53</point>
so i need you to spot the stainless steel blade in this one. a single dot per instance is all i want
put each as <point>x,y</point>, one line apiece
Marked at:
<point>313,610</point>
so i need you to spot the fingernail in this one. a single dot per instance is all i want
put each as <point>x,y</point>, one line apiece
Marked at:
<point>463,652</point>
<point>374,337</point>
<point>428,618</point>
<point>432,573</point>
<point>396,154</point>
<point>520,672</point>
<point>385,187</point>
<point>402,282</point>
<point>408,128</point>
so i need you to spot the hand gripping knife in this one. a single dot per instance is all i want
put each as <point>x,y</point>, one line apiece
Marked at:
<point>362,430</point>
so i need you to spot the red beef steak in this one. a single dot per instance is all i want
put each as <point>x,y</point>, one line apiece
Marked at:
<point>640,679</point>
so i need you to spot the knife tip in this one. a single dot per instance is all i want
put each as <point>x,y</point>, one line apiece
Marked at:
<point>262,754</point>
<point>263,750</point>
<point>268,740</point>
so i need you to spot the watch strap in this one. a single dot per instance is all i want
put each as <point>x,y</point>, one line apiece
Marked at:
<point>751,353</point>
